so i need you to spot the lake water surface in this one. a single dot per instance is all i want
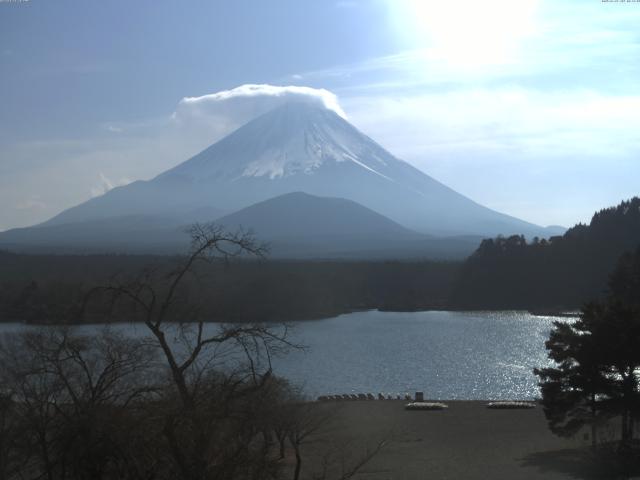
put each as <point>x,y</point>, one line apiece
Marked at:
<point>448,355</point>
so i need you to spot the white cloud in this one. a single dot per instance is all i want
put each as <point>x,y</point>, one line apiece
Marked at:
<point>511,120</point>
<point>105,184</point>
<point>32,203</point>
<point>221,112</point>
<point>546,156</point>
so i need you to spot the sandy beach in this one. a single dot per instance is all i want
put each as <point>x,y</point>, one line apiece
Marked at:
<point>466,441</point>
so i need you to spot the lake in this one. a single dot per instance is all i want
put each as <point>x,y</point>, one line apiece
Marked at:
<point>448,355</point>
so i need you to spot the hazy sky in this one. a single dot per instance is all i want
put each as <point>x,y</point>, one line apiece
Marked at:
<point>531,107</point>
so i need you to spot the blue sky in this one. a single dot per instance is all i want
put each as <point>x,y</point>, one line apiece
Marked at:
<point>529,107</point>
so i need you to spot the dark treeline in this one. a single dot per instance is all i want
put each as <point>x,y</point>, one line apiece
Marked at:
<point>504,273</point>
<point>50,288</point>
<point>562,272</point>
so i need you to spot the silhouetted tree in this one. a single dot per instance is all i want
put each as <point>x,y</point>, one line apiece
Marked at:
<point>71,401</point>
<point>189,400</point>
<point>208,429</point>
<point>598,359</point>
<point>572,392</point>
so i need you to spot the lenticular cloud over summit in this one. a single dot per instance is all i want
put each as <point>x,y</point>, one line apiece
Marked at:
<point>231,108</point>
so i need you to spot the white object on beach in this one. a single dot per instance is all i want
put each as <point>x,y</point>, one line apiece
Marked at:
<point>510,405</point>
<point>425,406</point>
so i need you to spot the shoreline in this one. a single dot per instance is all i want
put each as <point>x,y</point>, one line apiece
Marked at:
<point>465,441</point>
<point>326,316</point>
<point>535,401</point>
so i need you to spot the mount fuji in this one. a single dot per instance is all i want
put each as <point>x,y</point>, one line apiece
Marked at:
<point>297,147</point>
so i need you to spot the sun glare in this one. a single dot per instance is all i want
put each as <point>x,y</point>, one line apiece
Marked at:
<point>466,33</point>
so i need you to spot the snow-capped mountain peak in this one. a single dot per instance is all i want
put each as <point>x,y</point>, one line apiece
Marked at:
<point>302,147</point>
<point>296,138</point>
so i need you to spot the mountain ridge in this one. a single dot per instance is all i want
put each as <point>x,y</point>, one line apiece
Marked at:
<point>300,147</point>
<point>294,155</point>
<point>295,225</point>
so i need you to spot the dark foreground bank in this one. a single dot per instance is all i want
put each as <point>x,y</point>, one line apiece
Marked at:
<point>466,441</point>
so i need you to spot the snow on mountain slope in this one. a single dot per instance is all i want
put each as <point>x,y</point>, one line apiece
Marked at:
<point>297,138</point>
<point>300,147</point>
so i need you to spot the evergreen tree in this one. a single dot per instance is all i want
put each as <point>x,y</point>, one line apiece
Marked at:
<point>598,361</point>
<point>561,273</point>
<point>572,392</point>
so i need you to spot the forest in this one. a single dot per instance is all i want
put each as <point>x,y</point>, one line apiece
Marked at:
<point>48,288</point>
<point>560,273</point>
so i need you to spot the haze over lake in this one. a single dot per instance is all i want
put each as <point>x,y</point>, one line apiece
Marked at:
<point>448,355</point>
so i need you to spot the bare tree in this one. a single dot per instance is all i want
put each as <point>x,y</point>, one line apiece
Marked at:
<point>309,428</point>
<point>9,461</point>
<point>70,394</point>
<point>339,456</point>
<point>305,419</point>
<point>204,431</point>
<point>187,400</point>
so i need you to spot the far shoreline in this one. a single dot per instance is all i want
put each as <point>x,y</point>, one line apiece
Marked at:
<point>559,313</point>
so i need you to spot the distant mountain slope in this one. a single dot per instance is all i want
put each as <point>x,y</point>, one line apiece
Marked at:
<point>299,225</point>
<point>123,234</point>
<point>295,225</point>
<point>300,215</point>
<point>301,147</point>
<point>562,272</point>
